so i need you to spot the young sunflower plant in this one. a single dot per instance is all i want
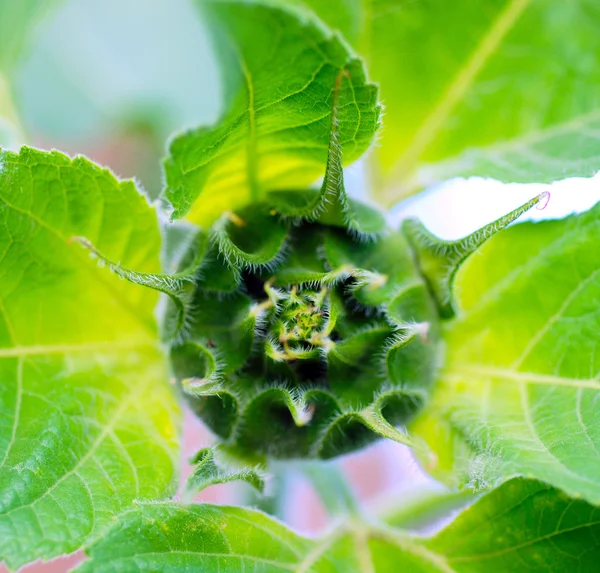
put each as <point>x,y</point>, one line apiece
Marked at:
<point>301,324</point>
<point>297,321</point>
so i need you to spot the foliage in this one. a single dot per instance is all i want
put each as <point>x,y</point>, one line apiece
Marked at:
<point>278,97</point>
<point>295,320</point>
<point>492,88</point>
<point>522,522</point>
<point>88,422</point>
<point>522,400</point>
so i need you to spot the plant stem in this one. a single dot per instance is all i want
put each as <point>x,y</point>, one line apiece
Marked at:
<point>424,509</point>
<point>12,133</point>
<point>331,486</point>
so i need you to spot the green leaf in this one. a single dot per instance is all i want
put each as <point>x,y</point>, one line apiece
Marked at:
<point>171,537</point>
<point>494,88</point>
<point>87,421</point>
<point>425,508</point>
<point>209,470</point>
<point>281,71</point>
<point>331,205</point>
<point>518,393</point>
<point>523,526</point>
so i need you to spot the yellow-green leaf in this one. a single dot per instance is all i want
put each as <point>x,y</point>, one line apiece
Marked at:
<point>87,420</point>
<point>519,391</point>
<point>281,68</point>
<point>495,88</point>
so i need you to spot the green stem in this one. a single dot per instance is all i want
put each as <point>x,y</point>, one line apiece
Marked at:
<point>331,486</point>
<point>9,115</point>
<point>423,509</point>
<point>274,500</point>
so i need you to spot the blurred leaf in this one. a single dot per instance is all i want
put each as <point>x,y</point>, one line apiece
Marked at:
<point>425,509</point>
<point>520,385</point>
<point>332,487</point>
<point>495,88</point>
<point>87,421</point>
<point>524,526</point>
<point>115,79</point>
<point>10,130</point>
<point>281,69</point>
<point>17,19</point>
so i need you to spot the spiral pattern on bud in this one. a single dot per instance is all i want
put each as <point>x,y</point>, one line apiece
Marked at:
<point>305,337</point>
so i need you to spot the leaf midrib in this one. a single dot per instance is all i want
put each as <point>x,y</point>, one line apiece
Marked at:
<point>224,151</point>
<point>460,370</point>
<point>92,347</point>
<point>456,90</point>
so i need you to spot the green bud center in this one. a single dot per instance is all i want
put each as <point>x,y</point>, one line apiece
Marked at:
<point>299,323</point>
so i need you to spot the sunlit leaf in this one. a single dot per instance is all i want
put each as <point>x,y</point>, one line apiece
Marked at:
<point>523,526</point>
<point>494,88</point>
<point>87,420</point>
<point>281,69</point>
<point>520,384</point>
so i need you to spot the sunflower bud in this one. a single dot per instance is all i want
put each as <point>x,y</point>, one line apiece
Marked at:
<point>310,331</point>
<point>304,326</point>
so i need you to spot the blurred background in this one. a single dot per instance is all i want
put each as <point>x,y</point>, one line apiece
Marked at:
<point>113,80</point>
